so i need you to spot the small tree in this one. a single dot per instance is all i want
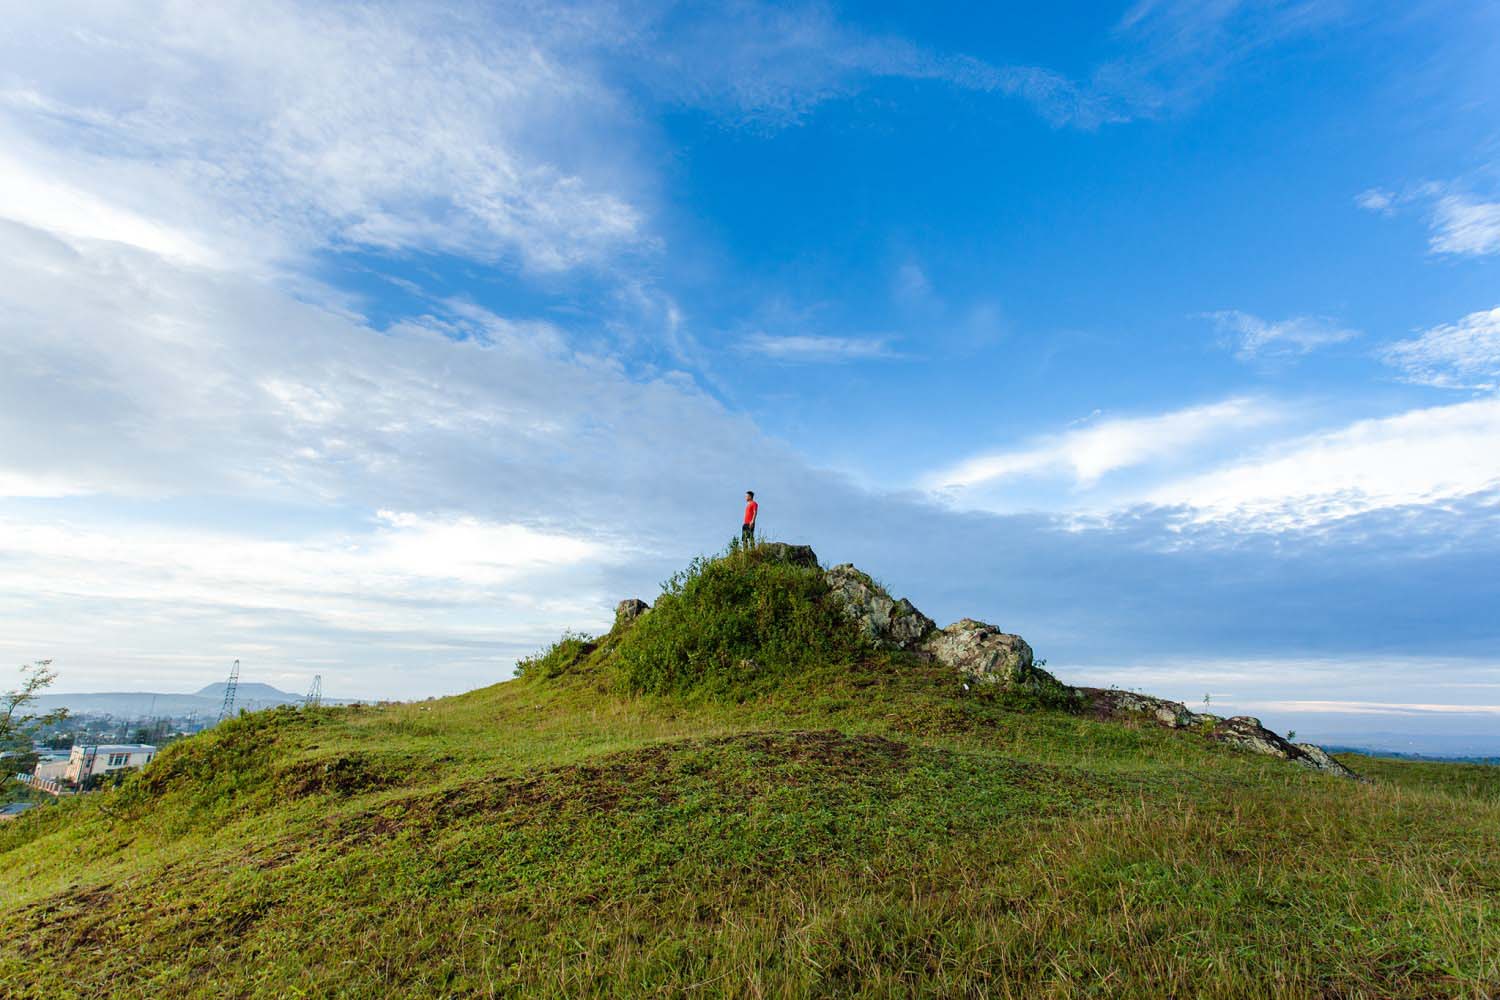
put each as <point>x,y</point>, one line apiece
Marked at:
<point>18,725</point>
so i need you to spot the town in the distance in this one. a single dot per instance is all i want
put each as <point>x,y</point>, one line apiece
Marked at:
<point>84,742</point>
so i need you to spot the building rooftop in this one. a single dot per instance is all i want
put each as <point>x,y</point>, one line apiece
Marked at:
<point>115,747</point>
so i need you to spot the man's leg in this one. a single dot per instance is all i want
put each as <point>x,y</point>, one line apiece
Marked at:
<point>747,534</point>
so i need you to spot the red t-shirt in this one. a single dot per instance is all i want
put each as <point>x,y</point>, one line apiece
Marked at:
<point>750,510</point>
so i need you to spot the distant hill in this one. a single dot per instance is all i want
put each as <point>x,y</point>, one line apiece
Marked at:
<point>248,691</point>
<point>205,701</point>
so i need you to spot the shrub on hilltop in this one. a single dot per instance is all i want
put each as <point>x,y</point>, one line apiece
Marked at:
<point>735,622</point>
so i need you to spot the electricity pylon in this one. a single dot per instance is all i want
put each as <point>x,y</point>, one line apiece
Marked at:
<point>315,693</point>
<point>230,688</point>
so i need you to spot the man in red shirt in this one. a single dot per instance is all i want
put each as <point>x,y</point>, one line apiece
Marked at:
<point>747,533</point>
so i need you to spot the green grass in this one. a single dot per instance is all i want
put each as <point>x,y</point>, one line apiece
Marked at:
<point>856,825</point>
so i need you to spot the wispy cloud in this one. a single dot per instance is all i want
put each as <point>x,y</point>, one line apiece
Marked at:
<point>809,349</point>
<point>1379,708</point>
<point>1377,200</point>
<point>1465,225</point>
<point>1462,355</point>
<point>1458,222</point>
<point>1421,457</point>
<point>773,64</point>
<point>244,131</point>
<point>1175,51</point>
<point>1088,454</point>
<point>1252,337</point>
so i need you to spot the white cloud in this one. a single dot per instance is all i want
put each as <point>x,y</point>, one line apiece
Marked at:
<point>41,201</point>
<point>155,379</point>
<point>272,128</point>
<point>1253,337</point>
<point>1377,200</point>
<point>340,576</point>
<point>1464,225</point>
<point>197,418</point>
<point>1458,222</point>
<point>773,64</point>
<point>422,604</point>
<point>1462,355</point>
<point>1259,682</point>
<point>810,349</point>
<point>1420,457</point>
<point>1377,708</point>
<point>1092,452</point>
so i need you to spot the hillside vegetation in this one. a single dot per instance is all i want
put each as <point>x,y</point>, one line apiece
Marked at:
<point>739,793</point>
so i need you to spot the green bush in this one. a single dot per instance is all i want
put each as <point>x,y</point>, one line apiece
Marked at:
<point>736,623</point>
<point>557,658</point>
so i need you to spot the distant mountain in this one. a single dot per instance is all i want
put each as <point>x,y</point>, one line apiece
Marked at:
<point>141,704</point>
<point>248,691</point>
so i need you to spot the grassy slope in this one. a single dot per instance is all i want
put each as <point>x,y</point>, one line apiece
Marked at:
<point>826,830</point>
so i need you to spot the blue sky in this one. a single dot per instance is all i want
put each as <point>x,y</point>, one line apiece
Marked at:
<point>386,341</point>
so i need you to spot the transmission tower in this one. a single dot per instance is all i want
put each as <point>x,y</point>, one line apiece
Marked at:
<point>230,688</point>
<point>315,693</point>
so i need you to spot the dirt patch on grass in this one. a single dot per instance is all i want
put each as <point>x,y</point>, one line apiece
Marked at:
<point>78,917</point>
<point>733,772</point>
<point>345,774</point>
<point>648,775</point>
<point>179,901</point>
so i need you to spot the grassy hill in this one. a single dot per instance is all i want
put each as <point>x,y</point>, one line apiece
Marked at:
<point>738,794</point>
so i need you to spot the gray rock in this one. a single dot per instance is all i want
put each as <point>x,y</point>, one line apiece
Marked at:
<point>1115,704</point>
<point>1319,759</point>
<point>983,652</point>
<point>1243,732</point>
<point>797,555</point>
<point>886,621</point>
<point>1248,734</point>
<point>629,610</point>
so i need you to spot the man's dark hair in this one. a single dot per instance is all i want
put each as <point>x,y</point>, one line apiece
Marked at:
<point>750,494</point>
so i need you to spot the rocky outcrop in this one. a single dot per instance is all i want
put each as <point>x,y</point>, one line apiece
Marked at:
<point>888,622</point>
<point>629,610</point>
<point>1316,757</point>
<point>1243,732</point>
<point>797,555</point>
<point>974,649</point>
<point>1247,733</point>
<point>983,653</point>
<point>1112,703</point>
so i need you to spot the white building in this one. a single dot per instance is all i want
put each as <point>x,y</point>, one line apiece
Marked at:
<point>51,765</point>
<point>90,759</point>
